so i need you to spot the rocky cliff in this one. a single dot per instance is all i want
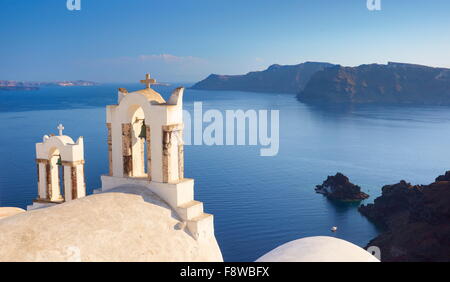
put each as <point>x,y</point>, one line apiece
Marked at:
<point>276,79</point>
<point>394,83</point>
<point>416,220</point>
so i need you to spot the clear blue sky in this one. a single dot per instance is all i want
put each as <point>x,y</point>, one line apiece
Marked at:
<point>118,40</point>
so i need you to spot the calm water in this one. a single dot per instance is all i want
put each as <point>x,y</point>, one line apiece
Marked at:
<point>258,202</point>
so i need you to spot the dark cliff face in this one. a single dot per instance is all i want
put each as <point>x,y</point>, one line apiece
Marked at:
<point>276,79</point>
<point>394,83</point>
<point>416,221</point>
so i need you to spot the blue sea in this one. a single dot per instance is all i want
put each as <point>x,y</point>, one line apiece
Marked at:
<point>258,202</point>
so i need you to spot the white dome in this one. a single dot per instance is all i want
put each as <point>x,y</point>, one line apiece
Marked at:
<point>130,223</point>
<point>318,249</point>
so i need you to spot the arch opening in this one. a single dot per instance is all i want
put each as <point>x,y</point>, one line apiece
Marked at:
<point>137,142</point>
<point>55,189</point>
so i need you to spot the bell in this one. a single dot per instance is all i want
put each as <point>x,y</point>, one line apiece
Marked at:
<point>59,162</point>
<point>143,134</point>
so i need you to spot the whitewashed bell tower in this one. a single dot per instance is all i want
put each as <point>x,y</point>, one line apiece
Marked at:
<point>60,170</point>
<point>145,148</point>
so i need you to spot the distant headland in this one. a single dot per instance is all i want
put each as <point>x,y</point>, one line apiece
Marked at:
<point>276,79</point>
<point>394,83</point>
<point>10,85</point>
<point>325,83</point>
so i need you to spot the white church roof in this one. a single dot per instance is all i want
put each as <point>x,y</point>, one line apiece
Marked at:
<point>151,95</point>
<point>128,223</point>
<point>65,139</point>
<point>318,249</point>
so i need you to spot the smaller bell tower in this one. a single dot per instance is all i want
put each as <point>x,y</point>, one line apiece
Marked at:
<point>60,170</point>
